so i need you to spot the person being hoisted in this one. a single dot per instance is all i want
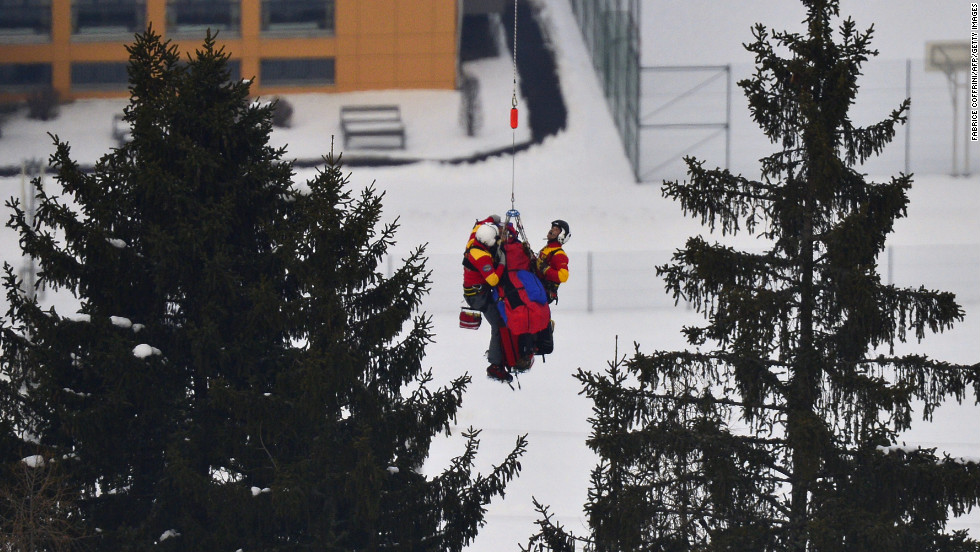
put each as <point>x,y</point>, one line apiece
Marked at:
<point>552,262</point>
<point>483,266</point>
<point>523,305</point>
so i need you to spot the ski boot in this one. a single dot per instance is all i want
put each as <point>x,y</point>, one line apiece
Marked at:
<point>499,373</point>
<point>524,364</point>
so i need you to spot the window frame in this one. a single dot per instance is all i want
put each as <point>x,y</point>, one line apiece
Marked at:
<point>297,72</point>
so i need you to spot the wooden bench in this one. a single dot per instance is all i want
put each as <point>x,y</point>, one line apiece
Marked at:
<point>381,124</point>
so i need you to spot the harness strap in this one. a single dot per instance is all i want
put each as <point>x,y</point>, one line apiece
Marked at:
<point>466,258</point>
<point>467,262</point>
<point>552,253</point>
<point>546,260</point>
<point>511,292</point>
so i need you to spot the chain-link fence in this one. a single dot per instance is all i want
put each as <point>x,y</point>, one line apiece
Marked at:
<point>610,29</point>
<point>665,113</point>
<point>682,110</point>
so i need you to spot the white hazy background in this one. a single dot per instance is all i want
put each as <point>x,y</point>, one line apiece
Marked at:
<point>620,229</point>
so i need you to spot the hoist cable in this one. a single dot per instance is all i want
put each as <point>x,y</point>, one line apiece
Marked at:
<point>513,213</point>
<point>513,116</point>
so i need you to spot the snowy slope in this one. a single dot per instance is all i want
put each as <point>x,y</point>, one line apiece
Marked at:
<point>583,177</point>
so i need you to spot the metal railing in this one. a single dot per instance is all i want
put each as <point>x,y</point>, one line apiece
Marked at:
<point>675,121</point>
<point>923,145</point>
<point>610,29</point>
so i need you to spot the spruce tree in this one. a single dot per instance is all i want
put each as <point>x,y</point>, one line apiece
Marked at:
<point>239,374</point>
<point>776,430</point>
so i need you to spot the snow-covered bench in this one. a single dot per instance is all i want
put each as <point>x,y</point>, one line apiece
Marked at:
<point>380,124</point>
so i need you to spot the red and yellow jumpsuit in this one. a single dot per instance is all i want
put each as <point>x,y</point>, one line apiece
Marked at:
<point>481,273</point>
<point>552,268</point>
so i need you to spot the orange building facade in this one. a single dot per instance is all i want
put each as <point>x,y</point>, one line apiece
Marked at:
<point>285,46</point>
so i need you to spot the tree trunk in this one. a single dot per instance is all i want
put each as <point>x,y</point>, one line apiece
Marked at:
<point>802,392</point>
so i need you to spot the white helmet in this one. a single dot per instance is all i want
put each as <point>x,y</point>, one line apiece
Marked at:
<point>564,233</point>
<point>487,234</point>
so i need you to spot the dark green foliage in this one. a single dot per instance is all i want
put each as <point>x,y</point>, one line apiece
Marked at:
<point>776,429</point>
<point>551,536</point>
<point>240,373</point>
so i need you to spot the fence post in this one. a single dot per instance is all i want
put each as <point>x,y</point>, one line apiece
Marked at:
<point>588,281</point>
<point>908,118</point>
<point>891,264</point>
<point>728,117</point>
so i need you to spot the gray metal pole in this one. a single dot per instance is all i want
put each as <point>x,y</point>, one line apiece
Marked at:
<point>728,118</point>
<point>955,92</point>
<point>891,265</point>
<point>908,117</point>
<point>637,91</point>
<point>588,283</point>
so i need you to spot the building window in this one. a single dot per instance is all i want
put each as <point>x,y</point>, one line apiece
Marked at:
<point>301,16</point>
<point>24,76</point>
<point>99,75</point>
<point>25,19</point>
<point>234,69</point>
<point>195,17</point>
<point>296,72</point>
<point>102,17</point>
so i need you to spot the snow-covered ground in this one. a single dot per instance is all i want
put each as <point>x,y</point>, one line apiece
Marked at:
<point>583,177</point>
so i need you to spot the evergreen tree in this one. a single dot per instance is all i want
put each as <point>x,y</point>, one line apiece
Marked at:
<point>239,374</point>
<point>777,429</point>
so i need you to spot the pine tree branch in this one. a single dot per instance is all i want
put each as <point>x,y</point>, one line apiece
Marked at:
<point>794,327</point>
<point>916,309</point>
<point>550,534</point>
<point>861,143</point>
<point>930,381</point>
<point>719,198</point>
<point>692,400</point>
<point>469,508</point>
